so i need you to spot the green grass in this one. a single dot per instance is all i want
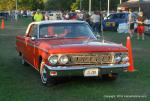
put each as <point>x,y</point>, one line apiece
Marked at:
<point>22,83</point>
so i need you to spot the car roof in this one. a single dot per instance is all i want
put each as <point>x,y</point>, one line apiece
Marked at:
<point>57,21</point>
<point>52,22</point>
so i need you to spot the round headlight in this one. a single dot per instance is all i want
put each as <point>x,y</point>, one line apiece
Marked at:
<point>63,59</point>
<point>53,59</point>
<point>117,59</point>
<point>125,59</point>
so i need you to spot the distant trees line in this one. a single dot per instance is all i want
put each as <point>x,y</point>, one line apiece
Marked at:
<point>56,4</point>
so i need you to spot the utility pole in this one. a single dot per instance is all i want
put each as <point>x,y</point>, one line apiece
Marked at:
<point>89,7</point>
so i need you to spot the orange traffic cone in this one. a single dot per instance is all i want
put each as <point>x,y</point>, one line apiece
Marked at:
<point>129,46</point>
<point>2,24</point>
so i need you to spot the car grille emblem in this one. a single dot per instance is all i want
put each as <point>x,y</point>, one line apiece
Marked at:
<point>94,58</point>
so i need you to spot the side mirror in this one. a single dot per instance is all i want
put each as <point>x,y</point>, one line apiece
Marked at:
<point>33,38</point>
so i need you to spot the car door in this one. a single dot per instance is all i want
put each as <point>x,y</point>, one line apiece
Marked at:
<point>110,22</point>
<point>30,41</point>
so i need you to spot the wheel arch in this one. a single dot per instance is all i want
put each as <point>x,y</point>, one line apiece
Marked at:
<point>19,53</point>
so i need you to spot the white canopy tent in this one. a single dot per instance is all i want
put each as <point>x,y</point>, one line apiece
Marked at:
<point>143,5</point>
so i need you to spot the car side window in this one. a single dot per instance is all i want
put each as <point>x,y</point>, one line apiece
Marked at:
<point>113,16</point>
<point>33,31</point>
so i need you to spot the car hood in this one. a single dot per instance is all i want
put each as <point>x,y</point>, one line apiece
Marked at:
<point>80,46</point>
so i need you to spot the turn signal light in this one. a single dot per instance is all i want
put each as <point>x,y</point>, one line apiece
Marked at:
<point>53,73</point>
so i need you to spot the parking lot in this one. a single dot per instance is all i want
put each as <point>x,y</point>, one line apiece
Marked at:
<point>22,83</point>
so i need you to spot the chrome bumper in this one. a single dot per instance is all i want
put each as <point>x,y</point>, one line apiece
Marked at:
<point>78,70</point>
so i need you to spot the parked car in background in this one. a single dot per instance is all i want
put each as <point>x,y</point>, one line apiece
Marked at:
<point>63,48</point>
<point>4,15</point>
<point>113,20</point>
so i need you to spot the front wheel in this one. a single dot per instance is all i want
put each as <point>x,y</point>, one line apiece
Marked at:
<point>43,74</point>
<point>23,62</point>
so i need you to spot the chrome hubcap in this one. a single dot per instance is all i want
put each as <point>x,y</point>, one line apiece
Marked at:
<point>44,75</point>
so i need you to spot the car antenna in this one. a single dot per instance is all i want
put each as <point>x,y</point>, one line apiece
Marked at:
<point>102,32</point>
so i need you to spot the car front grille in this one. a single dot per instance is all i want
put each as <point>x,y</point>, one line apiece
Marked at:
<point>92,58</point>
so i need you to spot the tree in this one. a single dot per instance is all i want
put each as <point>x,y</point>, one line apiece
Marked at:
<point>22,4</point>
<point>10,4</point>
<point>56,4</point>
<point>31,4</point>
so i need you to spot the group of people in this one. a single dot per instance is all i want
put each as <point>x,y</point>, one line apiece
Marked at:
<point>140,24</point>
<point>94,21</point>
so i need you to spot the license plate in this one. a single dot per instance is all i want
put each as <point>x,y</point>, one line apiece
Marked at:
<point>91,72</point>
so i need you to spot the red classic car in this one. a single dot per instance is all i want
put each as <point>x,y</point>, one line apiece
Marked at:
<point>69,48</point>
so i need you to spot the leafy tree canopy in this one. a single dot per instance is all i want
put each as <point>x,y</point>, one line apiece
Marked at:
<point>56,4</point>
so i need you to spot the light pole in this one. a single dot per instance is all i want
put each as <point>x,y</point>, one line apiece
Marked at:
<point>81,4</point>
<point>108,7</point>
<point>89,7</point>
<point>16,5</point>
<point>139,5</point>
<point>16,11</point>
<point>120,1</point>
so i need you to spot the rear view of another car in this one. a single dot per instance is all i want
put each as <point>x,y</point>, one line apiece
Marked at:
<point>113,20</point>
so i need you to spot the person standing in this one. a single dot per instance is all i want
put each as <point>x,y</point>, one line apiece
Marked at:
<point>80,15</point>
<point>46,16</point>
<point>66,16</point>
<point>95,18</point>
<point>140,27</point>
<point>38,16</point>
<point>87,18</point>
<point>131,21</point>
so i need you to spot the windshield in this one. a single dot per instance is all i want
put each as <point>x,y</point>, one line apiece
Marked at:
<point>66,30</point>
<point>117,16</point>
